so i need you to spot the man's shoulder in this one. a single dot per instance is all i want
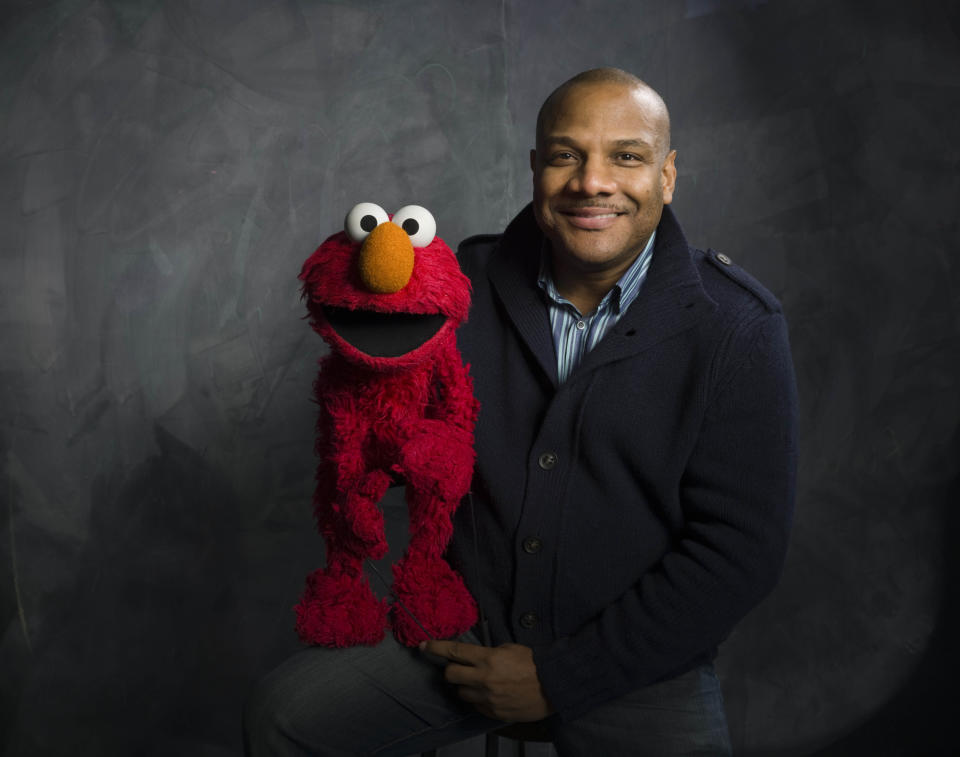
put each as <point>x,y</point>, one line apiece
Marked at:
<point>731,286</point>
<point>478,244</point>
<point>474,252</point>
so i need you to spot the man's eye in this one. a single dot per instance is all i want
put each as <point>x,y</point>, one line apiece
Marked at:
<point>561,157</point>
<point>629,156</point>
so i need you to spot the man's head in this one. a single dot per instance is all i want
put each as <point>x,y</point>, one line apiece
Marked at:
<point>602,169</point>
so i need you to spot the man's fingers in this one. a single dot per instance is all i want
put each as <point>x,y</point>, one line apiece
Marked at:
<point>471,695</point>
<point>480,699</point>
<point>462,675</point>
<point>456,651</point>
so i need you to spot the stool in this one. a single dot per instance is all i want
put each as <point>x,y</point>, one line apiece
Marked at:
<point>535,732</point>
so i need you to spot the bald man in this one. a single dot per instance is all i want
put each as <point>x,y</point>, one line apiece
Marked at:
<point>634,484</point>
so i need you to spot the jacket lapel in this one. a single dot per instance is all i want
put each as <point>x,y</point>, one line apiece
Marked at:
<point>513,273</point>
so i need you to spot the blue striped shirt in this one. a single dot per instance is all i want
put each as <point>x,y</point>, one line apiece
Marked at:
<point>574,334</point>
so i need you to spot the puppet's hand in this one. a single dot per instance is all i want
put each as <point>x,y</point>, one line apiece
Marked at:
<point>362,515</point>
<point>438,456</point>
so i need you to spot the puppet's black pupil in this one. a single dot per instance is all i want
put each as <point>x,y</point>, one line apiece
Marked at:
<point>368,223</point>
<point>411,226</point>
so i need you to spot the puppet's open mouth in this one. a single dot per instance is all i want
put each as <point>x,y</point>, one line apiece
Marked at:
<point>383,334</point>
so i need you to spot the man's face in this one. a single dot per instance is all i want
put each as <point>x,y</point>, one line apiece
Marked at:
<point>600,176</point>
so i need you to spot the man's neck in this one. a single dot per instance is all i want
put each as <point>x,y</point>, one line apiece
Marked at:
<point>585,289</point>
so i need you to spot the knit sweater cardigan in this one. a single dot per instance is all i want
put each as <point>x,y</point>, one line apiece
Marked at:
<point>627,519</point>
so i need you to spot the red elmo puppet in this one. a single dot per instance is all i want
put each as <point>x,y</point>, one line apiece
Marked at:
<point>387,295</point>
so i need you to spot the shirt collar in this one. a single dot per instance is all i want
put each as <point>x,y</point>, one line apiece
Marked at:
<point>620,297</point>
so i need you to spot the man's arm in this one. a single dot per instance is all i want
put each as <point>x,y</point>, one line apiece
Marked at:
<point>737,495</point>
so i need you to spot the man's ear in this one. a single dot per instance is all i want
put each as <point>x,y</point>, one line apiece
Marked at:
<point>668,176</point>
<point>533,160</point>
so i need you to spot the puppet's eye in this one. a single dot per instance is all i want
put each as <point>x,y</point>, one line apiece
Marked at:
<point>418,223</point>
<point>363,219</point>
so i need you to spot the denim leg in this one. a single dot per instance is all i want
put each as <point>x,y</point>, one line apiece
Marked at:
<point>382,700</point>
<point>679,716</point>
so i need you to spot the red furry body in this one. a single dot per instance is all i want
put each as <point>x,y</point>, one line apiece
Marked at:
<point>408,415</point>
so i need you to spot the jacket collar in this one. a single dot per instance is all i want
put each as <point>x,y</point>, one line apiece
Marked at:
<point>671,300</point>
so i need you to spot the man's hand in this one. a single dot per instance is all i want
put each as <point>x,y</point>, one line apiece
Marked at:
<point>501,682</point>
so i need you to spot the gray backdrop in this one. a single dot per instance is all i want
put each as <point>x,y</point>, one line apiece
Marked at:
<point>165,167</point>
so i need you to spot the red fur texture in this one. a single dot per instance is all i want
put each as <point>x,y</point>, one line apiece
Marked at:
<point>411,415</point>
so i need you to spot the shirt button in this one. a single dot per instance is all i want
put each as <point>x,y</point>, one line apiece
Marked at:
<point>724,259</point>
<point>529,619</point>
<point>581,325</point>
<point>547,460</point>
<point>531,545</point>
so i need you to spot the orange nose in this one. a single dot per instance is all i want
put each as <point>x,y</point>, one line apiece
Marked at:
<point>386,259</point>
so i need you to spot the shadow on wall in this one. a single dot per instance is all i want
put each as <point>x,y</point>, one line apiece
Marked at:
<point>921,718</point>
<point>162,557</point>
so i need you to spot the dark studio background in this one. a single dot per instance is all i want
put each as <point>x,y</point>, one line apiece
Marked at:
<point>165,167</point>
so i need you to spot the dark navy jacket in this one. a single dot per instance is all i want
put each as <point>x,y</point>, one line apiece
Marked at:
<point>627,519</point>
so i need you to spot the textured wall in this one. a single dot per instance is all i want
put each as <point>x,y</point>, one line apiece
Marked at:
<point>165,167</point>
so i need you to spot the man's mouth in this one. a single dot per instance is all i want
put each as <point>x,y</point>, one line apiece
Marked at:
<point>591,218</point>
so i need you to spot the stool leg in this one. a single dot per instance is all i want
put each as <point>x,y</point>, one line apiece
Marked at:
<point>492,745</point>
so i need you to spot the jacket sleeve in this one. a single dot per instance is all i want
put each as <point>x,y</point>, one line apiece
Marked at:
<point>737,495</point>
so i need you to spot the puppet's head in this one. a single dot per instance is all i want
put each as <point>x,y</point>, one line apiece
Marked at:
<point>385,291</point>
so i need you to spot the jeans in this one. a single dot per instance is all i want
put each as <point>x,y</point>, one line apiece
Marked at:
<point>388,700</point>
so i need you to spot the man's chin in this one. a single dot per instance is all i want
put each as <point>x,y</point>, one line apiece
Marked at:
<point>595,257</point>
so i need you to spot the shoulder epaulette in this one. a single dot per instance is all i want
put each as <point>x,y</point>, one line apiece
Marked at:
<point>735,273</point>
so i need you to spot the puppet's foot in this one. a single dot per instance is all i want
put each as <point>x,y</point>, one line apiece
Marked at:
<point>340,611</point>
<point>435,601</point>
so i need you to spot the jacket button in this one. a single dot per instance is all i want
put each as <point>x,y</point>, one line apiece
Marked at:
<point>529,619</point>
<point>531,545</point>
<point>723,258</point>
<point>547,460</point>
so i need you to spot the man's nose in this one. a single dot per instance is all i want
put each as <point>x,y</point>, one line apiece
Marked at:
<point>593,177</point>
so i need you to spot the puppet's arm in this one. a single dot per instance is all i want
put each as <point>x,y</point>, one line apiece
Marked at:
<point>453,401</point>
<point>439,452</point>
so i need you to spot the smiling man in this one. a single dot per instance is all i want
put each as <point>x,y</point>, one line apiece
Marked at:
<point>634,483</point>
<point>602,172</point>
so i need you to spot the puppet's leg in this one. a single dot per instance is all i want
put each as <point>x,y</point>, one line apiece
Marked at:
<point>338,608</point>
<point>433,601</point>
<point>437,461</point>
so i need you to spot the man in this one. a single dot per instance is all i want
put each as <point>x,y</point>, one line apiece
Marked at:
<point>635,471</point>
